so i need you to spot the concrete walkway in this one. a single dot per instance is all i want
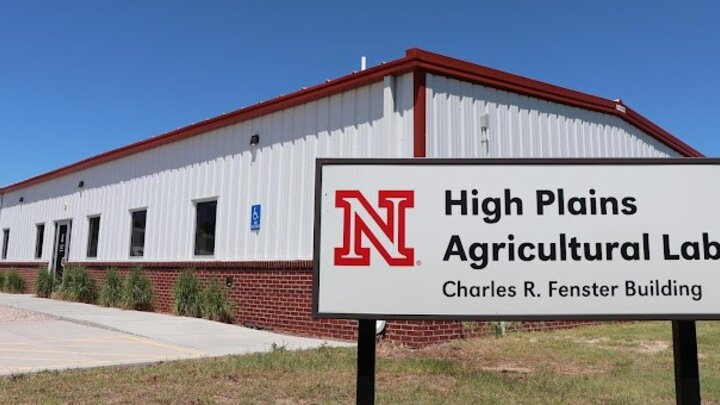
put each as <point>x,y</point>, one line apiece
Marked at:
<point>196,337</point>
<point>28,346</point>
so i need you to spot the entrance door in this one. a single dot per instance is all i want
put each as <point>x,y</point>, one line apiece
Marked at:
<point>62,246</point>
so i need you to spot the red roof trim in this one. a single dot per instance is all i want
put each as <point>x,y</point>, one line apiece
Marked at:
<point>340,85</point>
<point>415,60</point>
<point>462,70</point>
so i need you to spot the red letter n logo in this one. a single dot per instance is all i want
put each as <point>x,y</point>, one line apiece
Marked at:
<point>361,219</point>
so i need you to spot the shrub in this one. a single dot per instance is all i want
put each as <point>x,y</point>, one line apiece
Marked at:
<point>111,292</point>
<point>2,281</point>
<point>77,285</point>
<point>216,305</point>
<point>14,283</point>
<point>44,283</point>
<point>187,299</point>
<point>137,291</point>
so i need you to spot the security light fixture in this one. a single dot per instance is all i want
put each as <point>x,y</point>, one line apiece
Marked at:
<point>22,199</point>
<point>81,184</point>
<point>254,140</point>
<point>229,281</point>
<point>484,122</point>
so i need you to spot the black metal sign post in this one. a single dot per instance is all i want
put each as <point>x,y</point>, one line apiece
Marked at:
<point>687,376</point>
<point>366,362</point>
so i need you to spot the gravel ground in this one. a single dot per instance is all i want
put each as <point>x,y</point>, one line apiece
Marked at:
<point>12,315</point>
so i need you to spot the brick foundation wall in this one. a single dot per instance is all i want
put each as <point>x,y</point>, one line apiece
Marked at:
<point>278,296</point>
<point>267,295</point>
<point>28,271</point>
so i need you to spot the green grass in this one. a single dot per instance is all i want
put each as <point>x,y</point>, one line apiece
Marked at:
<point>14,283</point>
<point>137,291</point>
<point>216,304</point>
<point>112,289</point>
<point>44,283</point>
<point>77,285</point>
<point>187,295</point>
<point>615,363</point>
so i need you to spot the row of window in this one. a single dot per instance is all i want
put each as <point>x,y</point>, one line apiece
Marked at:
<point>205,220</point>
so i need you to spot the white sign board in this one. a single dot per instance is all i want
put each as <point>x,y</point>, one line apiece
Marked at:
<point>517,239</point>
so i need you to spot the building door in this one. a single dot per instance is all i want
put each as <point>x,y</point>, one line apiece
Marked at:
<point>62,246</point>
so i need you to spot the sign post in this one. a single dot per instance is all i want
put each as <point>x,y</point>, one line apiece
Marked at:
<point>366,362</point>
<point>519,240</point>
<point>687,375</point>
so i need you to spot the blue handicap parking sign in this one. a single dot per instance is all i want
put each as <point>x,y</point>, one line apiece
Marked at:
<point>255,217</point>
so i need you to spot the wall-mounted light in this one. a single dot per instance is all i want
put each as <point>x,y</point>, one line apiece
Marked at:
<point>21,199</point>
<point>485,136</point>
<point>254,140</point>
<point>484,122</point>
<point>81,184</point>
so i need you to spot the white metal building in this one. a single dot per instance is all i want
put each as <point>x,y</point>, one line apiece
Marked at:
<point>422,105</point>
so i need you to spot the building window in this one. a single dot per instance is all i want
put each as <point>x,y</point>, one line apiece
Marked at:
<point>93,236</point>
<point>6,239</point>
<point>205,215</point>
<point>39,239</point>
<point>137,233</point>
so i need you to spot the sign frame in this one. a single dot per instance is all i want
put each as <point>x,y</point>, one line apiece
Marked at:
<point>322,162</point>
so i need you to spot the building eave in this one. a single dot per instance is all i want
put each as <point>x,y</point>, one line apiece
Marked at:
<point>415,60</point>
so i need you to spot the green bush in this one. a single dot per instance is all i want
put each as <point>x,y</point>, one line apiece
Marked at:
<point>44,283</point>
<point>137,291</point>
<point>216,305</point>
<point>2,281</point>
<point>14,283</point>
<point>187,299</point>
<point>77,285</point>
<point>111,292</point>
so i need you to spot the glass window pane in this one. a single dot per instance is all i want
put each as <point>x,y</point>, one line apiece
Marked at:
<point>6,240</point>
<point>205,228</point>
<point>93,236</point>
<point>137,237</point>
<point>39,240</point>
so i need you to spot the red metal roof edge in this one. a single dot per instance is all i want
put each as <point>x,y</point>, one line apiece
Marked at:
<point>309,94</point>
<point>414,59</point>
<point>459,69</point>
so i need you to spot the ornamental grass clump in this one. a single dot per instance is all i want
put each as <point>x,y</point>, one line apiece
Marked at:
<point>77,285</point>
<point>216,305</point>
<point>111,292</point>
<point>2,281</point>
<point>14,283</point>
<point>137,291</point>
<point>44,283</point>
<point>187,299</point>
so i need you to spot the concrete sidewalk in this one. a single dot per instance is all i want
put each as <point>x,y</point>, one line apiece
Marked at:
<point>210,338</point>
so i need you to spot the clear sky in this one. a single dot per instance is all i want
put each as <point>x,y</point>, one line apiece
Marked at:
<point>78,78</point>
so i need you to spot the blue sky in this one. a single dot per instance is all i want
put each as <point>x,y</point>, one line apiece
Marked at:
<point>78,78</point>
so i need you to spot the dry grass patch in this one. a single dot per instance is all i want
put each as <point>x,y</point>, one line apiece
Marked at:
<point>619,363</point>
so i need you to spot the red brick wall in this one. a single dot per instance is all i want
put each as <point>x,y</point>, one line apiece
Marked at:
<point>27,270</point>
<point>423,333</point>
<point>278,296</point>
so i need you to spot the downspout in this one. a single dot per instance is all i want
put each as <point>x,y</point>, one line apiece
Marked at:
<point>418,127</point>
<point>419,113</point>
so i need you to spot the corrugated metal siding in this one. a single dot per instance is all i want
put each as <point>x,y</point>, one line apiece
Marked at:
<point>371,121</point>
<point>523,127</point>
